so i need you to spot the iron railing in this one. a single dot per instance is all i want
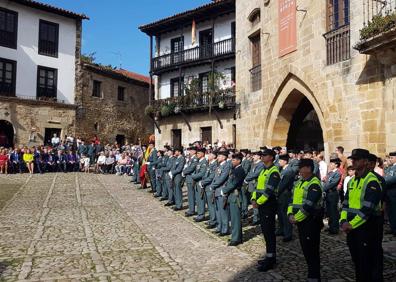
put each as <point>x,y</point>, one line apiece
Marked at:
<point>338,45</point>
<point>222,99</point>
<point>35,98</point>
<point>372,8</point>
<point>208,51</point>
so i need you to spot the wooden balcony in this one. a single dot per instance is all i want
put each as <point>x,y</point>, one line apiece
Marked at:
<point>338,45</point>
<point>220,100</point>
<point>378,35</point>
<point>221,49</point>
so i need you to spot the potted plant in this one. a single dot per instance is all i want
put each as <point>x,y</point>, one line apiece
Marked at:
<point>165,110</point>
<point>149,110</point>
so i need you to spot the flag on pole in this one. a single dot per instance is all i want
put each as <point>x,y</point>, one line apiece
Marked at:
<point>193,33</point>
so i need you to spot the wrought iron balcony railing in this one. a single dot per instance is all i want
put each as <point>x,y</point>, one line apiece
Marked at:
<point>379,26</point>
<point>221,100</point>
<point>209,51</point>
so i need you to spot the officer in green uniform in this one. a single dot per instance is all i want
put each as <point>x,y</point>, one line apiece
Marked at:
<point>176,175</point>
<point>251,180</point>
<point>362,221</point>
<point>170,196</point>
<point>245,195</point>
<point>189,169</point>
<point>305,210</point>
<point>264,198</point>
<point>205,183</point>
<point>284,195</point>
<point>197,176</point>
<point>159,174</point>
<point>220,179</point>
<point>231,191</point>
<point>332,196</point>
<point>390,192</point>
<point>164,172</point>
<point>293,161</point>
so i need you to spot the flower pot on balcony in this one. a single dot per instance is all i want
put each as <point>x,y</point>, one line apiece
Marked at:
<point>221,105</point>
<point>165,110</point>
<point>149,110</point>
<point>177,109</point>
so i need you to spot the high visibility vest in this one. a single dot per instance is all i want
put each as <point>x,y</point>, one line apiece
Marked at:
<point>262,182</point>
<point>356,192</point>
<point>300,192</point>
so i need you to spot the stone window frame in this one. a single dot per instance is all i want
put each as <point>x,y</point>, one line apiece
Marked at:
<point>97,93</point>
<point>123,93</point>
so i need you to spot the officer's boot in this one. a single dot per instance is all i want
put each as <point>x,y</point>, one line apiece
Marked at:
<point>266,264</point>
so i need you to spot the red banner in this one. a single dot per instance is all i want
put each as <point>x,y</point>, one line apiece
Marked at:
<point>287,27</point>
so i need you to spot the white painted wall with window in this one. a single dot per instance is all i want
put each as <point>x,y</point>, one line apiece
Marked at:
<point>222,31</point>
<point>163,81</point>
<point>28,58</point>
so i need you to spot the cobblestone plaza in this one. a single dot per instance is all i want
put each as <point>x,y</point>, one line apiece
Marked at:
<point>88,227</point>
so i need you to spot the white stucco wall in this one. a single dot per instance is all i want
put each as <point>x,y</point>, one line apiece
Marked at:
<point>222,31</point>
<point>27,57</point>
<point>223,67</point>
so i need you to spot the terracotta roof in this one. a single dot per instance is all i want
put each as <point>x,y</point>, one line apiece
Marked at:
<point>51,9</point>
<point>134,75</point>
<point>204,11</point>
<point>118,73</point>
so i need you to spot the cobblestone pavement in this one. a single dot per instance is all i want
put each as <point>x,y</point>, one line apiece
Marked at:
<point>87,227</point>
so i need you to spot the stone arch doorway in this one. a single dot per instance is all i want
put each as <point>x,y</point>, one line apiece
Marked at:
<point>296,119</point>
<point>305,131</point>
<point>6,134</point>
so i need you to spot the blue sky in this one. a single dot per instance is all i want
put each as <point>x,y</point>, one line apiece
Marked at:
<point>112,31</point>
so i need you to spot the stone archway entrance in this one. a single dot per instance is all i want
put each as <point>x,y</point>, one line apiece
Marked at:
<point>296,119</point>
<point>305,131</point>
<point>6,134</point>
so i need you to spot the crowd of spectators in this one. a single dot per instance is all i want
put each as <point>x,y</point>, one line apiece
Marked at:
<point>72,154</point>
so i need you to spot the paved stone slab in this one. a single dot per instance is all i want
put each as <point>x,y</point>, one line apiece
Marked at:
<point>88,227</point>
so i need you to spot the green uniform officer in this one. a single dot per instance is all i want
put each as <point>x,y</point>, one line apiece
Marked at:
<point>362,221</point>
<point>264,198</point>
<point>232,190</point>
<point>390,192</point>
<point>305,210</point>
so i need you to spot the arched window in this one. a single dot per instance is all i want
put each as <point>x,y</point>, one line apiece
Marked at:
<point>255,16</point>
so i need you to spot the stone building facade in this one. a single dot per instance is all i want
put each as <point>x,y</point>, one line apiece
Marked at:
<point>111,105</point>
<point>323,93</point>
<point>30,122</point>
<point>40,50</point>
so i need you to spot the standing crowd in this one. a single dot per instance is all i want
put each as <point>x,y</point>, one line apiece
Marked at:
<point>298,188</point>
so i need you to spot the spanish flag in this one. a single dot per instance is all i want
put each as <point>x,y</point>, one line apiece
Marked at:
<point>193,33</point>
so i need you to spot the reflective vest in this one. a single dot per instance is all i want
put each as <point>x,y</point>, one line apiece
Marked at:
<point>262,182</point>
<point>300,192</point>
<point>356,192</point>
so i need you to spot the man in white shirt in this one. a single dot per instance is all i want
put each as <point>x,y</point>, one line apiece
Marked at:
<point>55,140</point>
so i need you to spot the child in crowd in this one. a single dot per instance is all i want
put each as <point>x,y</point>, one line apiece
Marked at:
<point>84,163</point>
